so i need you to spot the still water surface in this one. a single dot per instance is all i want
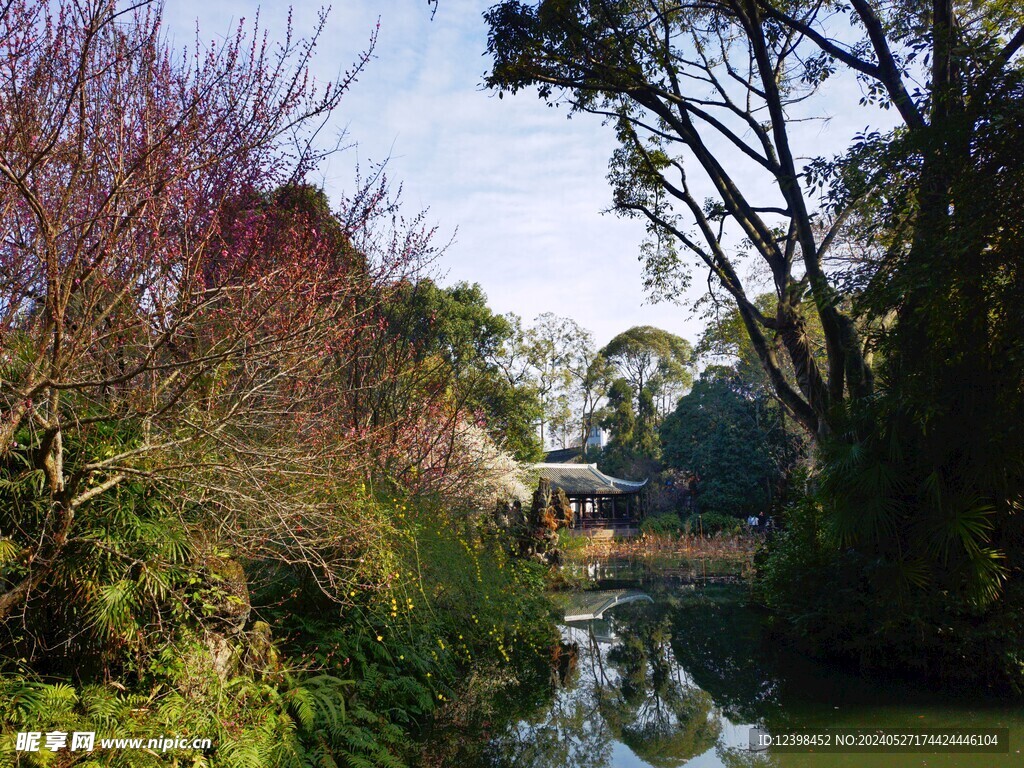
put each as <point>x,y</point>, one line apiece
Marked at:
<point>679,679</point>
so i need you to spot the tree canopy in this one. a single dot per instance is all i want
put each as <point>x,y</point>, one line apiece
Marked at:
<point>652,360</point>
<point>467,341</point>
<point>734,439</point>
<point>653,368</point>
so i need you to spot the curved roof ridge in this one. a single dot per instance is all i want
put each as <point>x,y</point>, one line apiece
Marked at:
<point>584,479</point>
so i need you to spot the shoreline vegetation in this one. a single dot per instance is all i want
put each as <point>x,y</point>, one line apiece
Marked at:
<point>721,547</point>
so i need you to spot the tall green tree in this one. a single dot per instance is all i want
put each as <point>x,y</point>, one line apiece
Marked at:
<point>650,359</point>
<point>558,356</point>
<point>734,437</point>
<point>655,364</point>
<point>675,81</point>
<point>928,476</point>
<point>468,343</point>
<point>618,417</point>
<point>593,379</point>
<point>549,349</point>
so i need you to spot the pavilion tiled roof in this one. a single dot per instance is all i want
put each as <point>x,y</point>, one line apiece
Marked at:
<point>586,480</point>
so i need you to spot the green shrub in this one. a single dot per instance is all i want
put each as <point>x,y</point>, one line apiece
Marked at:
<point>669,524</point>
<point>460,619</point>
<point>835,601</point>
<point>440,614</point>
<point>710,523</point>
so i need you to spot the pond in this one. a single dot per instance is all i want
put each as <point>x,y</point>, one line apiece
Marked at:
<point>675,672</point>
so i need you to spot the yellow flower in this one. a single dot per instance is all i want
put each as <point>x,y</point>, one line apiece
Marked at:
<point>380,638</point>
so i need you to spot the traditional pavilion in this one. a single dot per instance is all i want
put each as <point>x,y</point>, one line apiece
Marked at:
<point>599,501</point>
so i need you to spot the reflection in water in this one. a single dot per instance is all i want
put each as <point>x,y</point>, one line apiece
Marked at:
<point>628,689</point>
<point>587,606</point>
<point>680,681</point>
<point>650,706</point>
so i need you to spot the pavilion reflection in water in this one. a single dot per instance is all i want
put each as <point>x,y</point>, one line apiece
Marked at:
<point>628,701</point>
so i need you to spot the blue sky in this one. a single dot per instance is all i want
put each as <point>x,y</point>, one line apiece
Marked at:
<point>519,186</point>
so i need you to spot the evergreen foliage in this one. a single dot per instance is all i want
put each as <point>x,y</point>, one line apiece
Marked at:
<point>734,439</point>
<point>465,337</point>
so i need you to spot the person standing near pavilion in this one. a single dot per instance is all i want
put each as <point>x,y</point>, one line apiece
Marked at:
<point>691,486</point>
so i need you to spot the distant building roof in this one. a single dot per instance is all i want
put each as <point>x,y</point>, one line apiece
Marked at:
<point>564,456</point>
<point>586,480</point>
